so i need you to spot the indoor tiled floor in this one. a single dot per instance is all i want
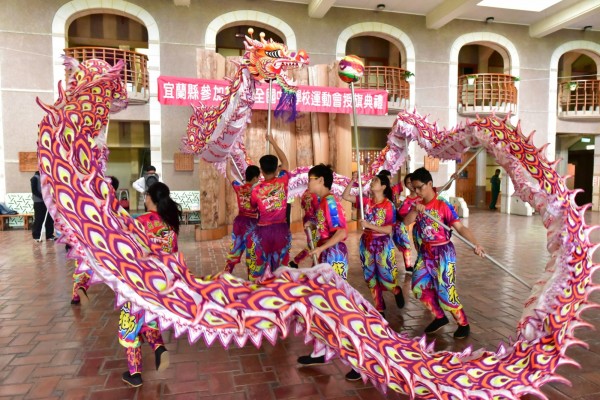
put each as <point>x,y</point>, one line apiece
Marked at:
<point>51,349</point>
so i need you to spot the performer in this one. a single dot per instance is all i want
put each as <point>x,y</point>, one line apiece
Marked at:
<point>433,281</point>
<point>376,247</point>
<point>162,225</point>
<point>400,233</point>
<point>271,240</point>
<point>309,204</point>
<point>81,280</point>
<point>245,222</point>
<point>331,231</point>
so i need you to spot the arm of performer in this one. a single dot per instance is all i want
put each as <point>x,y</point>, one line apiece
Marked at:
<point>412,214</point>
<point>337,237</point>
<point>387,229</point>
<point>285,165</point>
<point>467,234</point>
<point>346,195</point>
<point>228,171</point>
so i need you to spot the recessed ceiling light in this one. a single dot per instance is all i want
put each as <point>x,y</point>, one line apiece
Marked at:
<point>586,140</point>
<point>529,5</point>
<point>381,7</point>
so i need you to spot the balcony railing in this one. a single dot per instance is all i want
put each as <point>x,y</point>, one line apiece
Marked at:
<point>486,93</point>
<point>135,72</point>
<point>579,99</point>
<point>391,79</point>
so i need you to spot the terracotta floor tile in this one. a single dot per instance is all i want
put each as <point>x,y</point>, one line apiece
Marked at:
<point>51,349</point>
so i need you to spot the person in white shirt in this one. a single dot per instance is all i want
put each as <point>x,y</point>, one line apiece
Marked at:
<point>142,184</point>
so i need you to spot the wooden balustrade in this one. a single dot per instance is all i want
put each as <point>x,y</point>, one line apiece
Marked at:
<point>481,93</point>
<point>579,99</point>
<point>135,71</point>
<point>391,79</point>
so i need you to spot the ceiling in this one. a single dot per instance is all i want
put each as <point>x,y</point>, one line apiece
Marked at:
<point>566,14</point>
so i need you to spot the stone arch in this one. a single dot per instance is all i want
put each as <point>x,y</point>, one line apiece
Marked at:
<point>584,46</point>
<point>243,16</point>
<point>384,31</point>
<point>502,45</point>
<point>77,8</point>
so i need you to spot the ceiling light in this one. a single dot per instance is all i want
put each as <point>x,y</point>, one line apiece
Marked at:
<point>590,147</point>
<point>529,5</point>
<point>586,140</point>
<point>587,28</point>
<point>489,20</point>
<point>381,7</point>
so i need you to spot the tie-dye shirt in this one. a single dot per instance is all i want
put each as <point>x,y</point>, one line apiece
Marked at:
<point>159,232</point>
<point>243,193</point>
<point>309,204</point>
<point>430,231</point>
<point>330,218</point>
<point>379,214</point>
<point>270,197</point>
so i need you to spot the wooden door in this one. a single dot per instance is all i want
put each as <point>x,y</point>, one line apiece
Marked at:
<point>465,183</point>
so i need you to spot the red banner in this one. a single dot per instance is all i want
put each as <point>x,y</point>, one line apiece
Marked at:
<point>175,91</point>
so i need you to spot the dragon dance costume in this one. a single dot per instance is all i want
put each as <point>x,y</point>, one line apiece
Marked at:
<point>330,218</point>
<point>133,329</point>
<point>400,231</point>
<point>309,204</point>
<point>243,226</point>
<point>433,281</point>
<point>271,240</point>
<point>377,253</point>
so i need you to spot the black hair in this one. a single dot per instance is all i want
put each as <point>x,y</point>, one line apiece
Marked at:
<point>323,171</point>
<point>269,163</point>
<point>150,168</point>
<point>407,177</point>
<point>167,208</point>
<point>252,171</point>
<point>114,182</point>
<point>422,175</point>
<point>497,170</point>
<point>385,172</point>
<point>385,180</point>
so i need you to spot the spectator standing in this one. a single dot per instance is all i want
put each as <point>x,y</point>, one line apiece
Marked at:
<point>41,217</point>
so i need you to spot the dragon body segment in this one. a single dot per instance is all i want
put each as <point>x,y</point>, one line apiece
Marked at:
<point>317,301</point>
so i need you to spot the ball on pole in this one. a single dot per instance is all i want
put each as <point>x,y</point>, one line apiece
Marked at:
<point>351,69</point>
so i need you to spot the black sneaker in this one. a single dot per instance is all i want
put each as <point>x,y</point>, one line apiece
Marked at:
<point>83,297</point>
<point>134,380</point>
<point>409,270</point>
<point>307,361</point>
<point>436,324</point>
<point>161,358</point>
<point>399,298</point>
<point>353,376</point>
<point>293,265</point>
<point>462,331</point>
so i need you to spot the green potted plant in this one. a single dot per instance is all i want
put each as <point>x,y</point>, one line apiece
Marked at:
<point>407,75</point>
<point>471,79</point>
<point>572,86</point>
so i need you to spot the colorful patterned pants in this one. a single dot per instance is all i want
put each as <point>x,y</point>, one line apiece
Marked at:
<point>270,247</point>
<point>402,241</point>
<point>304,252</point>
<point>337,257</point>
<point>242,229</point>
<point>433,281</point>
<point>80,281</point>
<point>132,332</point>
<point>379,266</point>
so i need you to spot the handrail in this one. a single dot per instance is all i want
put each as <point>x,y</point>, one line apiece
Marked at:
<point>487,93</point>
<point>391,79</point>
<point>579,97</point>
<point>135,70</point>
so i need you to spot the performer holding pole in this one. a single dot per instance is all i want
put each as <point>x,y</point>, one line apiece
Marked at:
<point>351,70</point>
<point>433,280</point>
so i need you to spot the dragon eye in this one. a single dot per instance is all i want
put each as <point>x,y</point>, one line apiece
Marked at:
<point>273,54</point>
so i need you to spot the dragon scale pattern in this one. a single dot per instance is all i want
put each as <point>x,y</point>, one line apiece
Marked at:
<point>72,157</point>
